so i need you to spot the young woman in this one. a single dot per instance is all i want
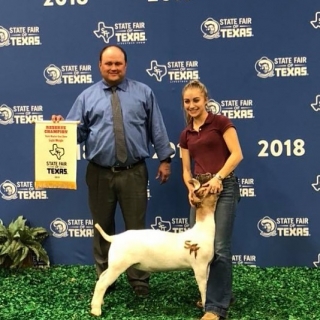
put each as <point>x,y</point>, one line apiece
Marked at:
<point>210,141</point>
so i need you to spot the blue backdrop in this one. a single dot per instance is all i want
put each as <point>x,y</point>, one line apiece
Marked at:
<point>260,62</point>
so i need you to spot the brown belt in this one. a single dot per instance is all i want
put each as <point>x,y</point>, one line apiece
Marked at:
<point>205,177</point>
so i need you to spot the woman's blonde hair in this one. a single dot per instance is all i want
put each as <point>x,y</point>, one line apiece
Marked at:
<point>194,84</point>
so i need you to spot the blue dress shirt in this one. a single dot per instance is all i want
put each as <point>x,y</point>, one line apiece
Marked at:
<point>143,123</point>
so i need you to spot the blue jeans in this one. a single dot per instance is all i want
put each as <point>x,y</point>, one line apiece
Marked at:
<point>219,284</point>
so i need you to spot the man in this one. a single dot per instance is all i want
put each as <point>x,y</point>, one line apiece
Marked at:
<point>110,180</point>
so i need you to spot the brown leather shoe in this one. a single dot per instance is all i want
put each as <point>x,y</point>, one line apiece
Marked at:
<point>210,316</point>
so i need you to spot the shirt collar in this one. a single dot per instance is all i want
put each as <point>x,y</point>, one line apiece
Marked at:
<point>208,120</point>
<point>122,85</point>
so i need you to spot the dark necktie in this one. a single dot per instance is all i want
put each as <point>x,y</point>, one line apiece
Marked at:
<point>121,149</point>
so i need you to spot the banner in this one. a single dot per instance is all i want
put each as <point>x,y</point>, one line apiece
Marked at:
<point>260,63</point>
<point>56,154</point>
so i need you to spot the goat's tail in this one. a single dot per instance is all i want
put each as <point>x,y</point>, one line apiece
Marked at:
<point>104,235</point>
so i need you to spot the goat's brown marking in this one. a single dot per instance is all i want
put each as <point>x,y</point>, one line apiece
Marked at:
<point>192,247</point>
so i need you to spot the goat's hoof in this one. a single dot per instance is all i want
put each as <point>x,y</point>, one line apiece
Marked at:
<point>96,311</point>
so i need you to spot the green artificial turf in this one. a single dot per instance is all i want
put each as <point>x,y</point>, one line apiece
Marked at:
<point>64,293</point>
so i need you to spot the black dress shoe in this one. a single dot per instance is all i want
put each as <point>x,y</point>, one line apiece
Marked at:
<point>141,291</point>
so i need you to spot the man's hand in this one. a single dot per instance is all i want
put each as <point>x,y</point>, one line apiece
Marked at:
<point>163,172</point>
<point>56,118</point>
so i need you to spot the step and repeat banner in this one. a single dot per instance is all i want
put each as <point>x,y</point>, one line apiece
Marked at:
<point>260,61</point>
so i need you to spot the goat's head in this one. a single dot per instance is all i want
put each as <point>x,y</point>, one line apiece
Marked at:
<point>202,197</point>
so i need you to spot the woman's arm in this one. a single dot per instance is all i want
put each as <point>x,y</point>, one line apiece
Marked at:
<point>186,167</point>
<point>186,173</point>
<point>233,144</point>
<point>231,138</point>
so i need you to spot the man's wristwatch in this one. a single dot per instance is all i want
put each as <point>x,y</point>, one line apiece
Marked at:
<point>167,160</point>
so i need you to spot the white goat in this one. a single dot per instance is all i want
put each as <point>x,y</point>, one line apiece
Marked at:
<point>155,250</point>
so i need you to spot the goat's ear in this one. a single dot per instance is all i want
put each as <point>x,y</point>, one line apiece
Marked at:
<point>196,184</point>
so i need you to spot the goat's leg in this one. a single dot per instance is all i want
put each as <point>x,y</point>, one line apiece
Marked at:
<point>105,280</point>
<point>201,275</point>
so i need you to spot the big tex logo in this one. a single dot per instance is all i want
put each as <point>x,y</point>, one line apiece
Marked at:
<point>178,71</point>
<point>21,190</point>
<point>20,114</point>
<point>20,36</point>
<point>281,67</point>
<point>74,228</point>
<point>284,227</point>
<point>233,109</point>
<point>68,74</point>
<point>227,28</point>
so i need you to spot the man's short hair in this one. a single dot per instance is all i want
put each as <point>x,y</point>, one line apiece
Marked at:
<point>110,46</point>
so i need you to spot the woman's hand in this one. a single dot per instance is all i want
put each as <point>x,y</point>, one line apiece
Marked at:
<point>214,185</point>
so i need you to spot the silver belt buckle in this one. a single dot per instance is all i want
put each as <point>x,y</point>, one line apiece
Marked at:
<point>114,169</point>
